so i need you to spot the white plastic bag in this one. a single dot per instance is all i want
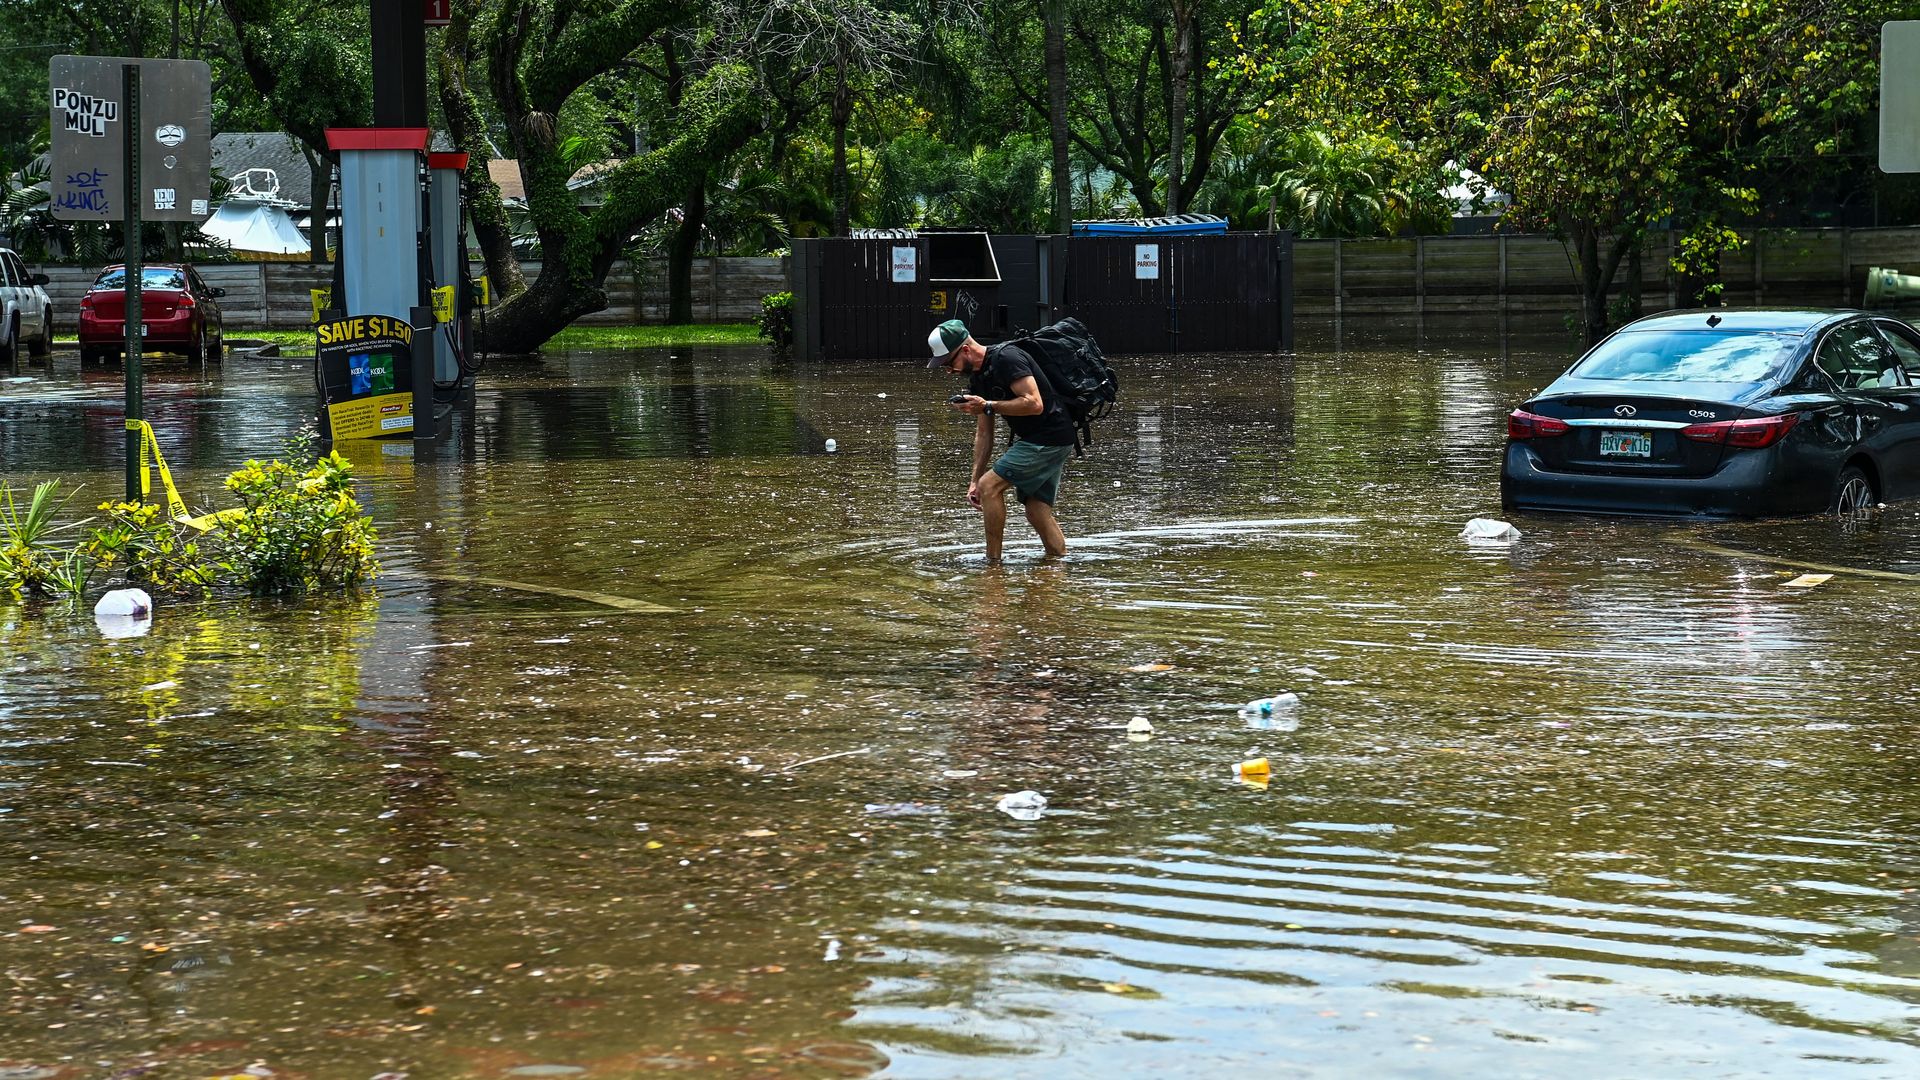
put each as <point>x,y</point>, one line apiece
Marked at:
<point>1489,531</point>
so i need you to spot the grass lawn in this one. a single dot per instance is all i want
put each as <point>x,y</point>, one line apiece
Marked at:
<point>294,340</point>
<point>645,337</point>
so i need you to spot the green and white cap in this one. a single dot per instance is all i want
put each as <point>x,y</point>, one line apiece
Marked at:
<point>945,338</point>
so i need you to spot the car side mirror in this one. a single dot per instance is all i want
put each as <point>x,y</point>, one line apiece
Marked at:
<point>41,279</point>
<point>218,292</point>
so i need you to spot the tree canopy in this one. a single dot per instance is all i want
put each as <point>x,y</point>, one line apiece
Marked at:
<point>684,127</point>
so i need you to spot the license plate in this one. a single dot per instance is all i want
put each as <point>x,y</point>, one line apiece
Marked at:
<point>1626,444</point>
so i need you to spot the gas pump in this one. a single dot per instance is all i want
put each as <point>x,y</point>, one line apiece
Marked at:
<point>382,350</point>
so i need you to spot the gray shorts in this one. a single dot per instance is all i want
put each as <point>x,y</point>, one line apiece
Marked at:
<point>1033,470</point>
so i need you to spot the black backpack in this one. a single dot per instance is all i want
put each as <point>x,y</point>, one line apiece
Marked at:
<point>1077,373</point>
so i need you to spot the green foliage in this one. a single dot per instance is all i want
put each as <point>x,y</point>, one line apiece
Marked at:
<point>924,181</point>
<point>30,560</point>
<point>776,319</point>
<point>298,529</point>
<point>149,549</point>
<point>1600,119</point>
<point>1342,189</point>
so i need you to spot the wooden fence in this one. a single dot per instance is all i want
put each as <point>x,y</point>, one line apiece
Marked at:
<point>1528,274</point>
<point>277,295</point>
<point>1436,275</point>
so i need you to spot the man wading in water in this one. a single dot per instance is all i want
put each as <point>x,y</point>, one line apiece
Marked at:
<point>1005,381</point>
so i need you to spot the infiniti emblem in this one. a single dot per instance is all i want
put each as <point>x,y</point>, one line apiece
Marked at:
<point>1624,410</point>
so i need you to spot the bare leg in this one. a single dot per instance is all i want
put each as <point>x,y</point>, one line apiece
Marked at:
<point>1040,516</point>
<point>993,508</point>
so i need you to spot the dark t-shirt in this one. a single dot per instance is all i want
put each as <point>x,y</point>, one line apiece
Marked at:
<point>1006,365</point>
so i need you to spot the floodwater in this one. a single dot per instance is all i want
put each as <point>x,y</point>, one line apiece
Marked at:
<point>1610,800</point>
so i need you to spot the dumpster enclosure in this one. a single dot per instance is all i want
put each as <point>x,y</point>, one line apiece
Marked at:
<point>1154,286</point>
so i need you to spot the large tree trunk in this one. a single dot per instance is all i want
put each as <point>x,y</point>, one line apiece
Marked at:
<point>842,117</point>
<point>686,241</point>
<point>539,55</point>
<point>1056,60</point>
<point>1180,71</point>
<point>523,324</point>
<point>1597,269</point>
<point>467,128</point>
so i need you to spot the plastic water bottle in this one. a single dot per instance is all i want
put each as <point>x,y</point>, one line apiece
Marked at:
<point>832,446</point>
<point>1267,706</point>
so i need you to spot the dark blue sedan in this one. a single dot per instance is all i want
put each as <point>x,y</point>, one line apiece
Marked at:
<point>1729,413</point>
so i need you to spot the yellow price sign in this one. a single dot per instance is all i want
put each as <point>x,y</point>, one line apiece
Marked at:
<point>322,300</point>
<point>443,304</point>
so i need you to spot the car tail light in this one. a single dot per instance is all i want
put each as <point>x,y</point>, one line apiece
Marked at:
<point>1523,425</point>
<point>1754,434</point>
<point>86,302</point>
<point>186,300</point>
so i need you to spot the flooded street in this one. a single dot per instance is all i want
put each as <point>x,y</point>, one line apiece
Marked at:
<point>671,742</point>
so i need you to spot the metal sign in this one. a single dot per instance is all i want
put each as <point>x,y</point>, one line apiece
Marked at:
<point>1146,262</point>
<point>88,121</point>
<point>1900,97</point>
<point>906,265</point>
<point>438,12</point>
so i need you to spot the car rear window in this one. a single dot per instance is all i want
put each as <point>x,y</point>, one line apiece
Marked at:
<point>1686,356</point>
<point>150,278</point>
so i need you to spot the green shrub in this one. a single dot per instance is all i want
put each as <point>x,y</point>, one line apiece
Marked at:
<point>776,319</point>
<point>295,531</point>
<point>298,528</point>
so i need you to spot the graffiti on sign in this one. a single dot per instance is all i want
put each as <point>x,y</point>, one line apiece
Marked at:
<point>85,193</point>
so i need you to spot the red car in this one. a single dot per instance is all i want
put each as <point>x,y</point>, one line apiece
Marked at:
<point>180,309</point>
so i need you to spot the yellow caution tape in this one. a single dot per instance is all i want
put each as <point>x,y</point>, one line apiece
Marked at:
<point>176,506</point>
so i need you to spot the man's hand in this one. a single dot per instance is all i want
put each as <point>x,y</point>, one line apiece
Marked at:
<point>973,494</point>
<point>971,404</point>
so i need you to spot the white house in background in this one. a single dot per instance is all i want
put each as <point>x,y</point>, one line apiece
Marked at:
<point>253,219</point>
<point>235,152</point>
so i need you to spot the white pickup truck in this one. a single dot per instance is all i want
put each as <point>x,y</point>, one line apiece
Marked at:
<point>26,315</point>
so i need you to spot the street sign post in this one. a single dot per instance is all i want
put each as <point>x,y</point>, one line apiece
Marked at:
<point>1900,97</point>
<point>90,119</point>
<point>108,164</point>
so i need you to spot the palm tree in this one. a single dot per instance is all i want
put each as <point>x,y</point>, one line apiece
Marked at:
<point>1335,189</point>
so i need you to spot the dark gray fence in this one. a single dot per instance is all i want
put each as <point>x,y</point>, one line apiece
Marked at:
<point>1211,293</point>
<point>1228,293</point>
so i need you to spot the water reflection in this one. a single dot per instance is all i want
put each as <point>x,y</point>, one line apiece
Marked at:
<point>1605,800</point>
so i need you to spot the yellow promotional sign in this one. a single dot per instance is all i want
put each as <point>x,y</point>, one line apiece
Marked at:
<point>485,285</point>
<point>322,300</point>
<point>371,417</point>
<point>443,304</point>
<point>366,376</point>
